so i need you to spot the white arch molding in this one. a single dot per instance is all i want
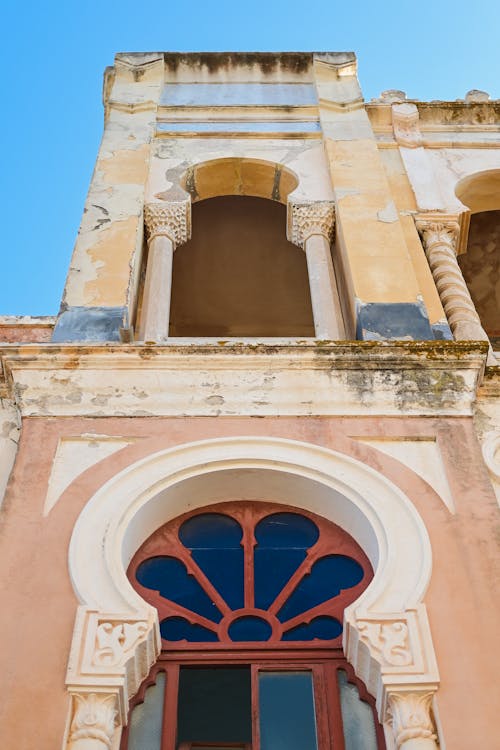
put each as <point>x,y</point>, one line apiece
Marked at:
<point>116,636</point>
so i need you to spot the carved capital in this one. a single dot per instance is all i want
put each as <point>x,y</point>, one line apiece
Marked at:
<point>305,219</point>
<point>436,233</point>
<point>115,640</point>
<point>405,124</point>
<point>410,716</point>
<point>93,718</point>
<point>168,219</point>
<point>112,652</point>
<point>389,639</point>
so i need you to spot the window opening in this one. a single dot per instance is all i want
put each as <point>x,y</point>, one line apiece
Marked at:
<point>239,275</point>
<point>250,599</point>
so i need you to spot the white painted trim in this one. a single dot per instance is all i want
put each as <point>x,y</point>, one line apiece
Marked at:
<point>130,506</point>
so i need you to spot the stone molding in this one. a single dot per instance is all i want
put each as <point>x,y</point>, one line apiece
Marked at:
<point>306,219</point>
<point>491,451</point>
<point>168,219</point>
<point>410,715</point>
<point>388,638</point>
<point>93,718</point>
<point>112,653</point>
<point>405,124</point>
<point>440,238</point>
<point>386,634</point>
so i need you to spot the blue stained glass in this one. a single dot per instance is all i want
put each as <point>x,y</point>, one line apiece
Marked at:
<point>179,629</point>
<point>328,577</point>
<point>282,543</point>
<point>249,628</point>
<point>169,577</point>
<point>215,542</point>
<point>324,628</point>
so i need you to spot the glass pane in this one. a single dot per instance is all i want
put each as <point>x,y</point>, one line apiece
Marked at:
<point>357,717</point>
<point>215,541</point>
<point>328,577</point>
<point>179,629</point>
<point>250,628</point>
<point>146,718</point>
<point>282,542</point>
<point>287,718</point>
<point>170,577</point>
<point>322,628</point>
<point>214,706</point>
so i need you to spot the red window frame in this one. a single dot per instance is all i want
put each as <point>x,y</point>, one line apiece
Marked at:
<point>322,658</point>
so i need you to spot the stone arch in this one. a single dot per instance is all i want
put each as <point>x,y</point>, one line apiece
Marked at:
<point>480,191</point>
<point>239,176</point>
<point>116,639</point>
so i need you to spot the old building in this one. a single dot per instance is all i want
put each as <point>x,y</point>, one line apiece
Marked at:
<point>249,473</point>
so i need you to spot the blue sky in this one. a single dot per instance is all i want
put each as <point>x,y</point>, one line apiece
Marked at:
<point>53,55</point>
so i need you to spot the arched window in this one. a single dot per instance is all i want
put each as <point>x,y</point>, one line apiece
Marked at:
<point>250,598</point>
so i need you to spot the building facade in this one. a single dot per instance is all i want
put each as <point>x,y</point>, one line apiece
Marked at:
<point>282,310</point>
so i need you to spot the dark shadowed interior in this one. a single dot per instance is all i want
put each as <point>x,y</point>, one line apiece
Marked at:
<point>239,275</point>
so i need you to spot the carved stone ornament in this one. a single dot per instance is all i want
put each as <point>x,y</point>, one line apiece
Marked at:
<point>305,219</point>
<point>388,639</point>
<point>439,239</point>
<point>93,718</point>
<point>115,640</point>
<point>405,124</point>
<point>410,716</point>
<point>169,219</point>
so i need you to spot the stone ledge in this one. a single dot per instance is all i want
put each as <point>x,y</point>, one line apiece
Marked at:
<point>252,379</point>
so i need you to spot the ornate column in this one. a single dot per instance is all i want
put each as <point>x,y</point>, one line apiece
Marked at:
<point>168,225</point>
<point>93,723</point>
<point>111,654</point>
<point>411,719</point>
<point>311,227</point>
<point>439,238</point>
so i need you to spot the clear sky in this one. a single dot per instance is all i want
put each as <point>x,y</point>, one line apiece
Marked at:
<point>53,55</point>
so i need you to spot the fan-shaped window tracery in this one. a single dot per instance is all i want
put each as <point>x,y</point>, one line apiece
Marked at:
<point>250,597</point>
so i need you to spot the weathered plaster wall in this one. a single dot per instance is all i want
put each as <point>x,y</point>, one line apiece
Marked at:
<point>9,438</point>
<point>101,285</point>
<point>462,612</point>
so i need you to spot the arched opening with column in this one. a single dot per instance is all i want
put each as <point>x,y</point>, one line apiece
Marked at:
<point>480,263</point>
<point>240,272</point>
<point>116,639</point>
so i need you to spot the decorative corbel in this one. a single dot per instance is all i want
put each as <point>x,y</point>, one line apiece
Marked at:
<point>110,656</point>
<point>405,124</point>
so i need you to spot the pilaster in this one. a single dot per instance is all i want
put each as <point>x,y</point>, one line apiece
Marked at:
<point>101,285</point>
<point>385,299</point>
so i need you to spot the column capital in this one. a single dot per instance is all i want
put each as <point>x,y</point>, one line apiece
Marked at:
<point>168,219</point>
<point>435,231</point>
<point>93,721</point>
<point>409,713</point>
<point>305,219</point>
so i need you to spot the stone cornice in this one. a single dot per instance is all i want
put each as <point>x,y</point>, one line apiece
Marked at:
<point>313,378</point>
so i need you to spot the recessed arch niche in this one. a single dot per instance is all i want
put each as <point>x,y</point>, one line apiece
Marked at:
<point>480,264</point>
